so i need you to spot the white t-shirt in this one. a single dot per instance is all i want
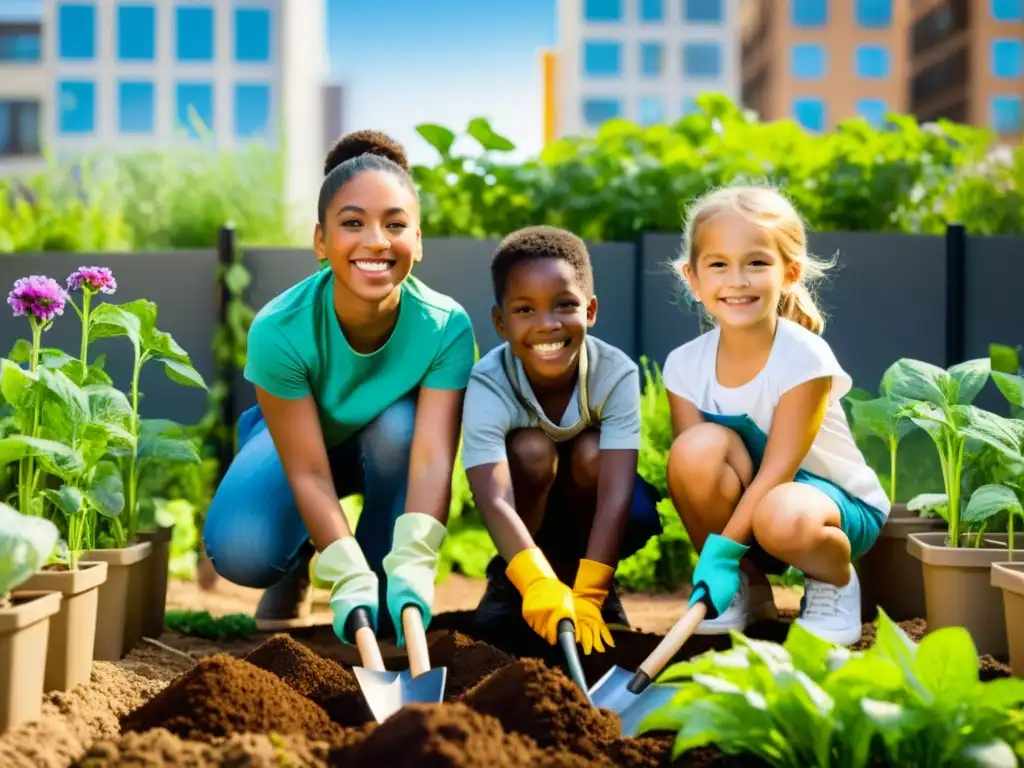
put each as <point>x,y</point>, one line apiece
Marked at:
<point>797,356</point>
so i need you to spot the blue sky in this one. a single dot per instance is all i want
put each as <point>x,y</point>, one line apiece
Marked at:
<point>404,62</point>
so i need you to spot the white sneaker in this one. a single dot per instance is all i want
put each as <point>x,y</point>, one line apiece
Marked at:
<point>750,605</point>
<point>832,613</point>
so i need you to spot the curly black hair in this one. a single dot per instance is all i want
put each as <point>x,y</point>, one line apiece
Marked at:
<point>365,142</point>
<point>541,242</point>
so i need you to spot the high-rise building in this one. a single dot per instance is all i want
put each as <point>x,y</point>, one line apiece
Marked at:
<point>968,63</point>
<point>820,62</point>
<point>643,60</point>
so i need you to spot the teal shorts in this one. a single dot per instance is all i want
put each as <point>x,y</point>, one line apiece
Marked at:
<point>861,522</point>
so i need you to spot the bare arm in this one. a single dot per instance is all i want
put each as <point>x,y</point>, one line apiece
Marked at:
<point>684,414</point>
<point>796,422</point>
<point>615,483</point>
<point>491,485</point>
<point>435,444</point>
<point>295,429</point>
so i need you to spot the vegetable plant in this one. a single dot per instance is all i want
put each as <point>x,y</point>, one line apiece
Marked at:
<point>810,704</point>
<point>882,417</point>
<point>25,544</point>
<point>940,402</point>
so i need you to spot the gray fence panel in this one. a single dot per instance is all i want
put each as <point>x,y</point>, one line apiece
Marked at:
<point>184,286</point>
<point>994,302</point>
<point>666,321</point>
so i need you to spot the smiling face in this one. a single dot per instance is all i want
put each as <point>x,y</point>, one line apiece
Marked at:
<point>544,316</point>
<point>738,274</point>
<point>370,235</point>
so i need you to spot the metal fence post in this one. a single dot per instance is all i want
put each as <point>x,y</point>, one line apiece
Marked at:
<point>956,294</point>
<point>226,244</point>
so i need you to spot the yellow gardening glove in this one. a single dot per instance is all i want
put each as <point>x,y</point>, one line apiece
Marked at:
<point>593,580</point>
<point>546,600</point>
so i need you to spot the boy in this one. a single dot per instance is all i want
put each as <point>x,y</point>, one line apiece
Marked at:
<point>551,433</point>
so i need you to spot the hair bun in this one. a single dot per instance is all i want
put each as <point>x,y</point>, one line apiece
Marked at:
<point>365,142</point>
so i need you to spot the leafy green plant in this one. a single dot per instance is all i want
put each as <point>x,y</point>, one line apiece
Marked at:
<point>25,545</point>
<point>203,624</point>
<point>808,703</point>
<point>883,418</point>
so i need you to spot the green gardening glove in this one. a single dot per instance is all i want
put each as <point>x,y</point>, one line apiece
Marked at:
<point>716,579</point>
<point>354,585</point>
<point>411,567</point>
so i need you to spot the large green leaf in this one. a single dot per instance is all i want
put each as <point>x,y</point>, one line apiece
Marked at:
<point>917,381</point>
<point>73,405</point>
<point>947,665</point>
<point>1005,359</point>
<point>990,500</point>
<point>881,417</point>
<point>105,491</point>
<point>480,129</point>
<point>1011,385</point>
<point>67,499</point>
<point>16,384</point>
<point>182,372</point>
<point>439,137</point>
<point>110,409</point>
<point>25,545</point>
<point>991,429</point>
<point>66,461</point>
<point>165,441</point>
<point>113,320</point>
<point>970,377</point>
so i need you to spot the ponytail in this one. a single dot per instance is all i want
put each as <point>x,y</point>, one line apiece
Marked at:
<point>798,305</point>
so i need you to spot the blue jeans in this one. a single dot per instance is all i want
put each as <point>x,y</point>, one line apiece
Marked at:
<point>254,534</point>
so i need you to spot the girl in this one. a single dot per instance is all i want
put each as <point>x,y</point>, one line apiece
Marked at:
<point>359,373</point>
<point>763,461</point>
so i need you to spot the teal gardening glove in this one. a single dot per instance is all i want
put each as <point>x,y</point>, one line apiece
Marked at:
<point>716,579</point>
<point>343,565</point>
<point>411,567</point>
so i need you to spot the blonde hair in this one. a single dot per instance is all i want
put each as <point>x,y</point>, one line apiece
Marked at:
<point>765,207</point>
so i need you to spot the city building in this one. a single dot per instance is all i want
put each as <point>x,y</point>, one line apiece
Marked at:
<point>643,60</point>
<point>122,75</point>
<point>968,63</point>
<point>820,62</point>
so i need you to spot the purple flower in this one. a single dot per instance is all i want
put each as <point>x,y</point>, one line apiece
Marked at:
<point>38,296</point>
<point>92,279</point>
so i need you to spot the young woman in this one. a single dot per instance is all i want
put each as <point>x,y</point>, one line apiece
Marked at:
<point>359,371</point>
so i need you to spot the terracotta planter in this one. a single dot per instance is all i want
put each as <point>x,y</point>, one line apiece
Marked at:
<point>1009,578</point>
<point>73,628</point>
<point>890,578</point>
<point>958,587</point>
<point>157,565</point>
<point>121,599</point>
<point>24,632</point>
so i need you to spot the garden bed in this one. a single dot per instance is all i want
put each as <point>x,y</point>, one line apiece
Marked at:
<point>283,701</point>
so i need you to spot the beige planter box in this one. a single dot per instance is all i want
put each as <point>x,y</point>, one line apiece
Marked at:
<point>157,565</point>
<point>958,587</point>
<point>24,633</point>
<point>1009,578</point>
<point>890,578</point>
<point>121,599</point>
<point>73,628</point>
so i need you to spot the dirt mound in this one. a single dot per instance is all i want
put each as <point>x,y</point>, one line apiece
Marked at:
<point>468,661</point>
<point>222,696</point>
<point>530,698</point>
<point>304,671</point>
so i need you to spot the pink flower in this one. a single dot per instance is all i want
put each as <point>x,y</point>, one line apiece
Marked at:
<point>92,279</point>
<point>38,296</point>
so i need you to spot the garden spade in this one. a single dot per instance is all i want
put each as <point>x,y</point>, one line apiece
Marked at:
<point>387,692</point>
<point>630,694</point>
<point>567,639</point>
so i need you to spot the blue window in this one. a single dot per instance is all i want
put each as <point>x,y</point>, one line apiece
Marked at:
<point>652,110</point>
<point>651,59</point>
<point>598,110</point>
<point>872,110</point>
<point>1006,114</point>
<point>872,62</point>
<point>652,10</point>
<point>874,14</point>
<point>136,32</point>
<point>810,113</point>
<point>19,128</point>
<point>252,110</point>
<point>602,59</point>
<point>252,35</point>
<point>20,45</point>
<point>1008,10</point>
<point>1008,58</point>
<point>76,106</point>
<point>602,10</point>
<point>808,61</point>
<point>198,97</point>
<point>703,11</point>
<point>135,109</point>
<point>76,31</point>
<point>194,32</point>
<point>809,13</point>
<point>702,59</point>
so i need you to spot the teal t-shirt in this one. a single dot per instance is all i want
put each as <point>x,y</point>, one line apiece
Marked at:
<point>296,348</point>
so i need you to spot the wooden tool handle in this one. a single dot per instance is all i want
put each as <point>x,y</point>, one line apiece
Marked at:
<point>360,632</point>
<point>681,631</point>
<point>415,640</point>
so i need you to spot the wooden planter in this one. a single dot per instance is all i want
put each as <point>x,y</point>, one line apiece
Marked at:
<point>157,565</point>
<point>73,628</point>
<point>24,635</point>
<point>958,587</point>
<point>121,599</point>
<point>1009,578</point>
<point>890,578</point>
